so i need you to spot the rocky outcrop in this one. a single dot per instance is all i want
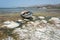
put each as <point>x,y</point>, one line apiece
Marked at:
<point>37,30</point>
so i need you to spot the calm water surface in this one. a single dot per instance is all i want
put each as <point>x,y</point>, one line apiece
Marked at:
<point>18,10</point>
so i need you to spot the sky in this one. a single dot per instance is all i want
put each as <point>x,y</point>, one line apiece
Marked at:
<point>25,3</point>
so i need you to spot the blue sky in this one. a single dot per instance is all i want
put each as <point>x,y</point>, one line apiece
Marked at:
<point>22,3</point>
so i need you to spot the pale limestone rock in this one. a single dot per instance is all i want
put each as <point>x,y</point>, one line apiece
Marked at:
<point>41,17</point>
<point>54,20</point>
<point>10,24</point>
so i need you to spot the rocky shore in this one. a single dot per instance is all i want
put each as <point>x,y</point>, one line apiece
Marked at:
<point>41,28</point>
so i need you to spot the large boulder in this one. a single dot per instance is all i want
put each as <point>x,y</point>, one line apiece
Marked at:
<point>26,14</point>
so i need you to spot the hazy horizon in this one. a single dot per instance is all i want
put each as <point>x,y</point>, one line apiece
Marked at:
<point>25,3</point>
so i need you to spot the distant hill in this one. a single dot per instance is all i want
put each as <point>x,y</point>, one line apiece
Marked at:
<point>55,6</point>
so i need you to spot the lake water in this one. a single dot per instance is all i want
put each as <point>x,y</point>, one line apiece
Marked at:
<point>18,10</point>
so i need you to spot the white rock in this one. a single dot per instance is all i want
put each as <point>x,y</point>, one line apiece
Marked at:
<point>54,20</point>
<point>31,22</point>
<point>41,17</point>
<point>37,22</point>
<point>26,20</point>
<point>10,24</point>
<point>17,30</point>
<point>22,33</point>
<point>43,21</point>
<point>7,22</point>
<point>57,25</point>
<point>41,29</point>
<point>20,20</point>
